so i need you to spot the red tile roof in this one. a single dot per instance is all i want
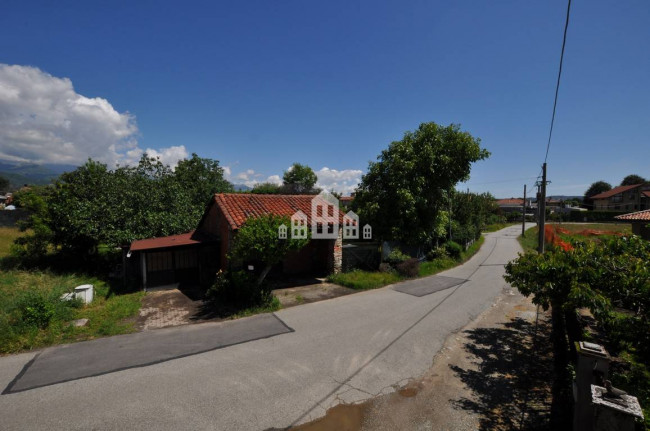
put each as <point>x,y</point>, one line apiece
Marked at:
<point>189,238</point>
<point>646,193</point>
<point>639,215</point>
<point>615,191</point>
<point>238,207</point>
<point>511,201</point>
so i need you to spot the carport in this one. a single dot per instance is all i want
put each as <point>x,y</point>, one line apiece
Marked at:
<point>187,258</point>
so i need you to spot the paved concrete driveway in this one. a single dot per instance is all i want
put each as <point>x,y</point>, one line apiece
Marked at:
<point>343,350</point>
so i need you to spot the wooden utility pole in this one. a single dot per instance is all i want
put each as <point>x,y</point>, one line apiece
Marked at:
<point>542,211</point>
<point>523,214</point>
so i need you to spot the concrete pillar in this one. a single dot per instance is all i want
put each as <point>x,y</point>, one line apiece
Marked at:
<point>614,411</point>
<point>592,368</point>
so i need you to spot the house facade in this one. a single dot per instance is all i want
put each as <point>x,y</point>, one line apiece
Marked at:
<point>635,197</point>
<point>196,256</point>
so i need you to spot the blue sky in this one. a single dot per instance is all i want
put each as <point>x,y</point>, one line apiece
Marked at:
<point>259,85</point>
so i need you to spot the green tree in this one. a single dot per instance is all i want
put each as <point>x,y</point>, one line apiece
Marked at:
<point>258,240</point>
<point>34,244</point>
<point>403,193</point>
<point>200,179</point>
<point>632,180</point>
<point>597,188</point>
<point>594,189</point>
<point>266,189</point>
<point>299,179</point>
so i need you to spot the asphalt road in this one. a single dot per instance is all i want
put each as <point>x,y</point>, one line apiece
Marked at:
<point>342,350</point>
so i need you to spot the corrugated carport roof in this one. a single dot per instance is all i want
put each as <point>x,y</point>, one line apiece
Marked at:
<point>184,239</point>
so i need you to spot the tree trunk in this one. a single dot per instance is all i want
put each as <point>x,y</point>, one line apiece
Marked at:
<point>574,331</point>
<point>561,404</point>
<point>263,274</point>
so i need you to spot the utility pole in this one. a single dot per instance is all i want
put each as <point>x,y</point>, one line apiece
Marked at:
<point>523,214</point>
<point>542,211</point>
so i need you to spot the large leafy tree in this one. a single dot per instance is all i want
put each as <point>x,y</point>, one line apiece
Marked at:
<point>632,180</point>
<point>597,188</point>
<point>299,179</point>
<point>258,239</point>
<point>405,190</point>
<point>94,205</point>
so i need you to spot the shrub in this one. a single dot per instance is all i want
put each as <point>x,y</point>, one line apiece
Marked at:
<point>385,267</point>
<point>453,249</point>
<point>396,256</point>
<point>437,253</point>
<point>409,268</point>
<point>37,310</point>
<point>238,289</point>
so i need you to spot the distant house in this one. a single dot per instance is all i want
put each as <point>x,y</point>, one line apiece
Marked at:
<point>640,221</point>
<point>196,256</point>
<point>346,201</point>
<point>623,198</point>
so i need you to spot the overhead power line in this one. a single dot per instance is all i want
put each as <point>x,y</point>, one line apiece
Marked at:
<point>559,75</point>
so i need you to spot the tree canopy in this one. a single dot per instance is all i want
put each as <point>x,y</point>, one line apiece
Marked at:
<point>596,188</point>
<point>406,189</point>
<point>94,205</point>
<point>258,239</point>
<point>299,179</point>
<point>632,180</point>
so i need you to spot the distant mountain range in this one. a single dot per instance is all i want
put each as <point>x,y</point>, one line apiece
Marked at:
<point>241,187</point>
<point>20,174</point>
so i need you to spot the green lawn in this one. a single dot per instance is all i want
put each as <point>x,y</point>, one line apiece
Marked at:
<point>365,280</point>
<point>32,316</point>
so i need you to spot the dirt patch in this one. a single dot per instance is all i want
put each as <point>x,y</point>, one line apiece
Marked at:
<point>311,293</point>
<point>164,308</point>
<point>493,375</point>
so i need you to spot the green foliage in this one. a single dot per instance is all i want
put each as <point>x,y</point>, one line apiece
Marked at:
<point>267,189</point>
<point>470,214</point>
<point>633,179</point>
<point>453,249</point>
<point>33,245</point>
<point>237,289</point>
<point>257,240</point>
<point>36,310</point>
<point>403,193</point>
<point>437,253</point>
<point>410,268</point>
<point>610,277</point>
<point>32,314</point>
<point>299,179</point>
<point>597,188</point>
<point>396,256</point>
<point>93,205</point>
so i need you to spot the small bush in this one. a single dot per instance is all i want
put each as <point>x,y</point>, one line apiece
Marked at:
<point>238,289</point>
<point>409,268</point>
<point>385,267</point>
<point>37,310</point>
<point>437,253</point>
<point>453,249</point>
<point>396,256</point>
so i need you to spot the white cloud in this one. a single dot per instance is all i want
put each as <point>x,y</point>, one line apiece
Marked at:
<point>344,181</point>
<point>275,179</point>
<point>43,120</point>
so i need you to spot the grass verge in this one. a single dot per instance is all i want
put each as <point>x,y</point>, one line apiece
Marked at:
<point>33,316</point>
<point>497,226</point>
<point>366,280</point>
